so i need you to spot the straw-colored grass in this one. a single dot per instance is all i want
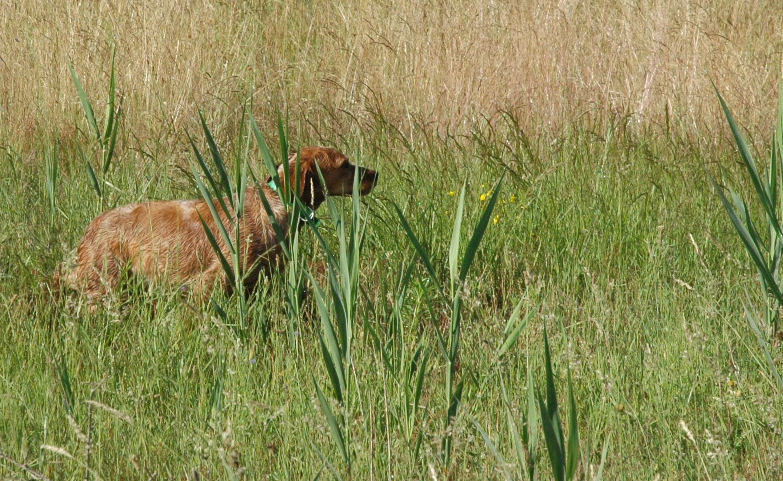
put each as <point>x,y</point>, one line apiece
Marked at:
<point>429,64</point>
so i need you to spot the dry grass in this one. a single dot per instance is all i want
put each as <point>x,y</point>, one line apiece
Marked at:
<point>420,64</point>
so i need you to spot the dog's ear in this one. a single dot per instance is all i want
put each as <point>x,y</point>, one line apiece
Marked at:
<point>286,171</point>
<point>309,186</point>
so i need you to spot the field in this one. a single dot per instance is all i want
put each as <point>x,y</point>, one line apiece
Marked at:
<point>606,237</point>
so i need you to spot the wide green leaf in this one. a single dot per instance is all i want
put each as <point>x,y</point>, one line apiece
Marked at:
<point>572,449</point>
<point>85,103</point>
<point>478,232</point>
<point>423,255</point>
<point>217,192</point>
<point>331,421</point>
<point>750,165</point>
<point>750,245</point>
<point>455,237</point>
<point>217,158</point>
<point>514,328</point>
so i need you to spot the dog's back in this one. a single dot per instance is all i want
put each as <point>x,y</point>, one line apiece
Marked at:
<point>166,240</point>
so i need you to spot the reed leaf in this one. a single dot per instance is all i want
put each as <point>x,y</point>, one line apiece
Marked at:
<point>750,165</point>
<point>572,448</point>
<point>514,328</point>
<point>217,158</point>
<point>334,426</point>
<point>423,255</point>
<point>494,450</point>
<point>216,190</point>
<point>750,245</point>
<point>86,105</point>
<point>478,231</point>
<point>455,238</point>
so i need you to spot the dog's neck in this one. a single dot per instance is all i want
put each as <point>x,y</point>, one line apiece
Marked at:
<point>306,204</point>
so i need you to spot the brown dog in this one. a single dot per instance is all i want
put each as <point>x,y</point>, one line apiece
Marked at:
<point>166,240</point>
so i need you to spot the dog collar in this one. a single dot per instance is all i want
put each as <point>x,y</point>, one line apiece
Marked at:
<point>306,214</point>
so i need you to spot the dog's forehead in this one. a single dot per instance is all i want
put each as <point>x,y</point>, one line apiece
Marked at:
<point>326,156</point>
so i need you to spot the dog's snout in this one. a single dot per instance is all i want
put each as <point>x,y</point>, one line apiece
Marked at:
<point>370,176</point>
<point>369,179</point>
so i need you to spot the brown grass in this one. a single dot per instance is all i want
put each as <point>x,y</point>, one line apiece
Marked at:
<point>419,64</point>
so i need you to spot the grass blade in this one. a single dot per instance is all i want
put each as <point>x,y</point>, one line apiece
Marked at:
<point>228,188</point>
<point>112,144</point>
<point>326,462</point>
<point>750,165</point>
<point>213,210</point>
<point>572,450</point>
<point>65,382</point>
<point>455,236</point>
<point>217,192</point>
<point>499,457</point>
<point>331,420</point>
<point>425,258</point>
<point>600,473</point>
<point>513,330</point>
<point>554,448</point>
<point>108,119</point>
<point>422,370</point>
<point>283,136</point>
<point>266,154</point>
<point>85,103</point>
<point>279,232</point>
<point>516,439</point>
<point>215,247</point>
<point>531,433</point>
<point>92,176</point>
<point>478,232</point>
<point>742,207</point>
<point>763,344</point>
<point>551,394</point>
<point>750,245</point>
<point>329,344</point>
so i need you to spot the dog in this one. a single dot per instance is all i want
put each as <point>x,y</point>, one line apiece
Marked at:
<point>166,240</point>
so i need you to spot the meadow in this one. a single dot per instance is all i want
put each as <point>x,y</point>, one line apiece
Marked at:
<point>601,271</point>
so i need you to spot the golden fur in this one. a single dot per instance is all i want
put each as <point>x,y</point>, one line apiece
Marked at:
<point>166,241</point>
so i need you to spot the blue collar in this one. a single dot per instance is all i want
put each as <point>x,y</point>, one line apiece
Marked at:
<point>306,214</point>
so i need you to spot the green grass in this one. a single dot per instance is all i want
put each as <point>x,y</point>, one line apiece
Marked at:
<point>618,244</point>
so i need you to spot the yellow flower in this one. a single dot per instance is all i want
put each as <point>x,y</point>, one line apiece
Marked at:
<point>483,197</point>
<point>496,219</point>
<point>513,198</point>
<point>452,193</point>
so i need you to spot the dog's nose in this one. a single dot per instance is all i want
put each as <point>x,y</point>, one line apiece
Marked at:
<point>371,176</point>
<point>369,179</point>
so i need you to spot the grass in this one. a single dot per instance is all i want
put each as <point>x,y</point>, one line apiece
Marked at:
<point>341,64</point>
<point>605,241</point>
<point>401,362</point>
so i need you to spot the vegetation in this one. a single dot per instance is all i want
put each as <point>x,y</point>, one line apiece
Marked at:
<point>530,292</point>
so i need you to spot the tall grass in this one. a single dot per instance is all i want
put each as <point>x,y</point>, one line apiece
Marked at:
<point>420,65</point>
<point>105,137</point>
<point>339,314</point>
<point>206,403</point>
<point>458,272</point>
<point>765,245</point>
<point>427,328</point>
<point>563,452</point>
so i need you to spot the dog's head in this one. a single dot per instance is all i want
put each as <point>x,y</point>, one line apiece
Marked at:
<point>337,171</point>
